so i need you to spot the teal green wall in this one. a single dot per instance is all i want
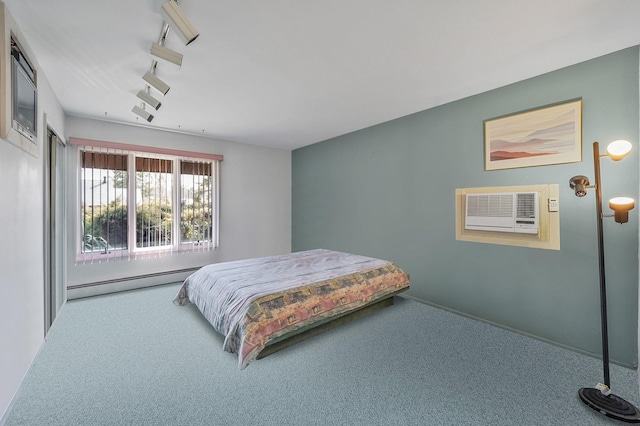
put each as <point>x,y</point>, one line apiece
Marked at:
<point>388,191</point>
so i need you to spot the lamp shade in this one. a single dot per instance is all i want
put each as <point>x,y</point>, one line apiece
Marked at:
<point>621,207</point>
<point>617,150</point>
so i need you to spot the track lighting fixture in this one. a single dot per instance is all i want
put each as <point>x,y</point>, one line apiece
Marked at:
<point>149,100</point>
<point>156,83</point>
<point>178,22</point>
<point>166,54</point>
<point>142,113</point>
<point>175,20</point>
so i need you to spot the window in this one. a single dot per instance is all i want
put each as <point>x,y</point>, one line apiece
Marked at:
<point>196,202</point>
<point>24,93</point>
<point>136,203</point>
<point>154,202</point>
<point>103,208</point>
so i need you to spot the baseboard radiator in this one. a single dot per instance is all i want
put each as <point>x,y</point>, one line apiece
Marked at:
<point>97,288</point>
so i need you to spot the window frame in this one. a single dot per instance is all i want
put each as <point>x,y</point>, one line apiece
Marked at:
<point>132,152</point>
<point>133,212</point>
<point>9,30</point>
<point>21,64</point>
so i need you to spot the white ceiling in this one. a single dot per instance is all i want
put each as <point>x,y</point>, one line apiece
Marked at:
<point>288,73</point>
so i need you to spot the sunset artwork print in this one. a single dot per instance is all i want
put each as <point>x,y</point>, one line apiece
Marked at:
<point>549,135</point>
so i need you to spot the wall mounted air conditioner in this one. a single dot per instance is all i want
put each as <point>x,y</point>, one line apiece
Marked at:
<point>503,212</point>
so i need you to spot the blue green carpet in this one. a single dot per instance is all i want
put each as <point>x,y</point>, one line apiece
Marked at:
<point>135,358</point>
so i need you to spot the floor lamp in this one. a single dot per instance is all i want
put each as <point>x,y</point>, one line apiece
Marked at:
<point>600,398</point>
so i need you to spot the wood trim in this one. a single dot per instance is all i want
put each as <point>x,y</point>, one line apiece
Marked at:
<point>9,28</point>
<point>549,234</point>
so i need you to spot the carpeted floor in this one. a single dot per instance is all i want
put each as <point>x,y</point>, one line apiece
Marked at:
<point>135,358</point>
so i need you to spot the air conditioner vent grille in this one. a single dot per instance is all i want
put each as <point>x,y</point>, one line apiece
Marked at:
<point>503,212</point>
<point>526,205</point>
<point>490,205</point>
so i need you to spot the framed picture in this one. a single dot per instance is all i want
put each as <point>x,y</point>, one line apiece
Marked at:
<point>539,137</point>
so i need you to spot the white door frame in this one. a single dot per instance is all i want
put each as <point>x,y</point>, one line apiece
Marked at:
<point>54,226</point>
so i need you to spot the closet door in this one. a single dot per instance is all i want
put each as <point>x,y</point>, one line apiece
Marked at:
<point>54,229</point>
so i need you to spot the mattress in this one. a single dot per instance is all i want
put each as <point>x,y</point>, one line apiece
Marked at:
<point>253,302</point>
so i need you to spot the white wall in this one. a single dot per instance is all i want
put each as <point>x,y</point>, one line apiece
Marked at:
<point>21,249</point>
<point>255,221</point>
<point>255,205</point>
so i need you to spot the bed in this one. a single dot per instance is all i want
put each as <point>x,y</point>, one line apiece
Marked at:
<point>265,304</point>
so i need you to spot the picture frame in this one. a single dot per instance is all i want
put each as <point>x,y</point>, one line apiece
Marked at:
<point>542,136</point>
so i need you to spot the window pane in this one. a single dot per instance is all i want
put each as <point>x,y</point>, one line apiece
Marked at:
<point>24,102</point>
<point>196,202</point>
<point>154,194</point>
<point>104,202</point>
<point>24,92</point>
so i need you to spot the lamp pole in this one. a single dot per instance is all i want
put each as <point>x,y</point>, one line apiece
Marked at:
<point>600,398</point>
<point>603,285</point>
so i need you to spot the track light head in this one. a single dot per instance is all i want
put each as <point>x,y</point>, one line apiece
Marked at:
<point>149,100</point>
<point>142,113</point>
<point>165,53</point>
<point>156,83</point>
<point>178,22</point>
